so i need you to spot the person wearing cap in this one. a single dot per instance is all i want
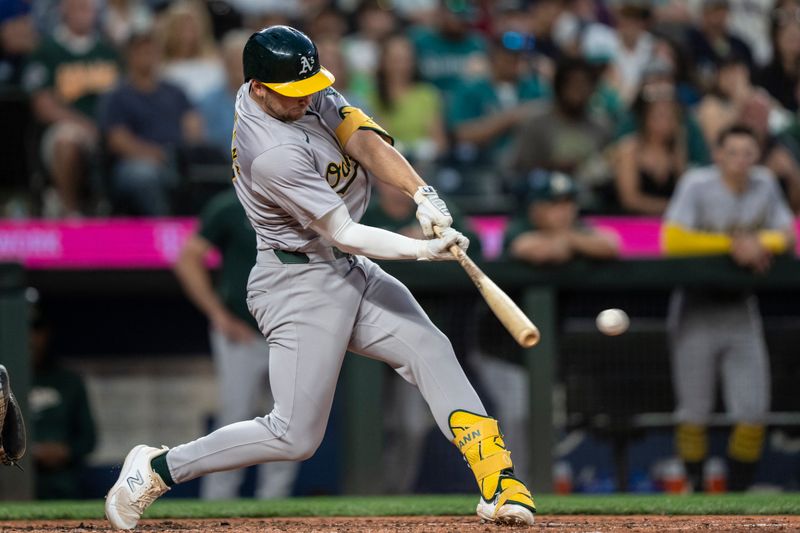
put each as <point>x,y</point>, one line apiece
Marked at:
<point>548,229</point>
<point>144,121</point>
<point>485,111</point>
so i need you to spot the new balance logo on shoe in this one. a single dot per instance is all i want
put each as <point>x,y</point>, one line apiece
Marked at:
<point>467,438</point>
<point>138,480</point>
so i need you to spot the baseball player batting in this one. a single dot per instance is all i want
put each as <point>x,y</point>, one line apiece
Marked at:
<point>303,160</point>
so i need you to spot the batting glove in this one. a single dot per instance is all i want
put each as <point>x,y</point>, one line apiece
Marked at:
<point>439,249</point>
<point>431,210</point>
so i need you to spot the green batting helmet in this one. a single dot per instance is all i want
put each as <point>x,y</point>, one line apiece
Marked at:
<point>285,60</point>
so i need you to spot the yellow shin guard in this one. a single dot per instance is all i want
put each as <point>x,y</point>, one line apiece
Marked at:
<point>479,439</point>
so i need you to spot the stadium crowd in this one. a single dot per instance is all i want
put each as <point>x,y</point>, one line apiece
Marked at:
<point>121,105</point>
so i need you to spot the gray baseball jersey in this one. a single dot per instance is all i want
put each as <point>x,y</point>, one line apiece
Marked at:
<point>703,202</point>
<point>713,332</point>
<point>288,174</point>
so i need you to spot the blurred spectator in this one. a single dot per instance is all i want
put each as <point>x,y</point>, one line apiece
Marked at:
<point>736,208</point>
<point>484,111</point>
<point>374,24</point>
<point>65,76</point>
<point>735,100</point>
<point>240,352</point>
<point>144,122</point>
<point>548,230</point>
<point>329,22</point>
<point>63,426</point>
<point>122,18</point>
<point>258,14</point>
<point>669,52</point>
<point>659,77</point>
<point>543,16</point>
<point>636,45</point>
<point>450,53</point>
<point>774,154</point>
<point>750,20</point>
<point>190,55</point>
<point>649,162</point>
<point>782,74</point>
<point>409,109</point>
<point>217,106</point>
<point>18,38</point>
<point>573,140</point>
<point>723,105</point>
<point>711,41</point>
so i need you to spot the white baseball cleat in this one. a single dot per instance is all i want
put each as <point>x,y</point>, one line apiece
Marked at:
<point>136,488</point>
<point>510,514</point>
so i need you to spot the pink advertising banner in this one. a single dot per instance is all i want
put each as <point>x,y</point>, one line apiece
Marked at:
<point>96,243</point>
<point>154,243</point>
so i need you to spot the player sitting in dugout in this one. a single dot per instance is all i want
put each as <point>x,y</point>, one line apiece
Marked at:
<point>548,230</point>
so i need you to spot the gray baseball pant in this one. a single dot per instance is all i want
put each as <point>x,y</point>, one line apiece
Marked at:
<point>242,369</point>
<point>311,315</point>
<point>707,334</point>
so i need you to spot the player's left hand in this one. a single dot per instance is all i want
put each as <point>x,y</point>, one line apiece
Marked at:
<point>439,249</point>
<point>431,210</point>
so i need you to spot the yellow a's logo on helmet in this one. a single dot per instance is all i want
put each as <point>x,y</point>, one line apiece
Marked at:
<point>307,64</point>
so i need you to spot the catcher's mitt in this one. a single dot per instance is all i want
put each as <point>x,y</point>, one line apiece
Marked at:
<point>12,426</point>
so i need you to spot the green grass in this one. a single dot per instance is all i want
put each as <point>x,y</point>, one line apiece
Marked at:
<point>751,504</point>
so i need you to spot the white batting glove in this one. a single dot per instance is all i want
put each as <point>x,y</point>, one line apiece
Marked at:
<point>431,210</point>
<point>439,249</point>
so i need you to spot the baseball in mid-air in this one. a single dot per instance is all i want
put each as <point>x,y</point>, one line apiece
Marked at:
<point>612,322</point>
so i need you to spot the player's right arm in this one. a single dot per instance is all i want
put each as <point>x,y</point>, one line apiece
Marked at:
<point>370,145</point>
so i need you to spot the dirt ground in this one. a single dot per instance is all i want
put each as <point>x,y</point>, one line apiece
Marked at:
<point>426,524</point>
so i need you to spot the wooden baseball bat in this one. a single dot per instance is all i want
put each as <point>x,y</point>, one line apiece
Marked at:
<point>503,307</point>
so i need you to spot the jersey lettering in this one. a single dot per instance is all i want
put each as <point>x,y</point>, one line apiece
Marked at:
<point>341,175</point>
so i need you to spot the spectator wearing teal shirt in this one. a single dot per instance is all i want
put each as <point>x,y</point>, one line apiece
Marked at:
<point>451,52</point>
<point>483,112</point>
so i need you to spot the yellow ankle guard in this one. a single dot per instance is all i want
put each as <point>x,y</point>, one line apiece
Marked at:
<point>479,439</point>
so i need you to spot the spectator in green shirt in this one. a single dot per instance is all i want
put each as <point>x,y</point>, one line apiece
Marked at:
<point>484,111</point>
<point>65,76</point>
<point>451,52</point>
<point>63,426</point>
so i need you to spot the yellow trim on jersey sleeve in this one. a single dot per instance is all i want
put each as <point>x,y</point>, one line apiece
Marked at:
<point>355,119</point>
<point>677,240</point>
<point>773,240</point>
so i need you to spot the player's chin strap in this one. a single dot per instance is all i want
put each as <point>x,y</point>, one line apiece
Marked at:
<point>479,439</point>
